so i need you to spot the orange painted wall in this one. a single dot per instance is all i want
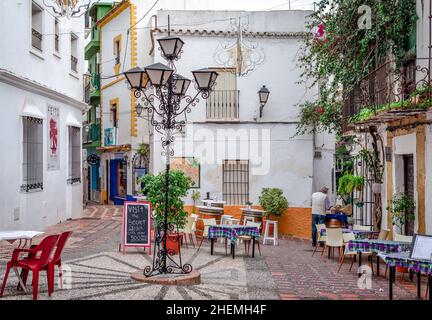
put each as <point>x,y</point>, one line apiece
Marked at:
<point>295,222</point>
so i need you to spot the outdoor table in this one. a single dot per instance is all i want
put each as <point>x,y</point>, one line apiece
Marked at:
<point>402,259</point>
<point>377,246</point>
<point>232,232</point>
<point>12,236</point>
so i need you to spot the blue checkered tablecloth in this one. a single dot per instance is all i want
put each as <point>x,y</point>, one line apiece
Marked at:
<point>232,232</point>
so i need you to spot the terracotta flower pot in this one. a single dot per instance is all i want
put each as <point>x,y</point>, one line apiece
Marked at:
<point>174,242</point>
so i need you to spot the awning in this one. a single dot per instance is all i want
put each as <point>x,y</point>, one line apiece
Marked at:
<point>30,110</point>
<point>72,121</point>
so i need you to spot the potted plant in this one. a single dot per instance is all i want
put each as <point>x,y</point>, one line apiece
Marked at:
<point>195,196</point>
<point>249,205</point>
<point>402,210</point>
<point>179,184</point>
<point>348,183</point>
<point>273,202</point>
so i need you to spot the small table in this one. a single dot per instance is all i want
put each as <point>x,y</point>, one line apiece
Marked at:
<point>232,232</point>
<point>12,236</point>
<point>213,203</point>
<point>377,246</point>
<point>402,259</point>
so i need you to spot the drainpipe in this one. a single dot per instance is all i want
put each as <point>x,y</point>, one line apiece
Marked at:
<point>152,31</point>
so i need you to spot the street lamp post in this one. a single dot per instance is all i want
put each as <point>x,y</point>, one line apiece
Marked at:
<point>163,107</point>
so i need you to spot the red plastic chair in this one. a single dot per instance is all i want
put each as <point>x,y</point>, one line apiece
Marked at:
<point>54,261</point>
<point>34,264</point>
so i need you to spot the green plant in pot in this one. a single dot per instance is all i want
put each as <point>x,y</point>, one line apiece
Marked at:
<point>273,202</point>
<point>179,184</point>
<point>249,204</point>
<point>348,183</point>
<point>195,197</point>
<point>402,210</point>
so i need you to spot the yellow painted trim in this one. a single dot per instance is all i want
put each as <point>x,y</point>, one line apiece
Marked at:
<point>117,39</point>
<point>133,63</point>
<point>420,167</point>
<point>113,82</point>
<point>389,187</point>
<point>115,12</point>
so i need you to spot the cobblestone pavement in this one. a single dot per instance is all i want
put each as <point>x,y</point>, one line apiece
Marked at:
<point>95,269</point>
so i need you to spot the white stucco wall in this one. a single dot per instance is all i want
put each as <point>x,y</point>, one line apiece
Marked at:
<point>59,200</point>
<point>45,78</point>
<point>48,67</point>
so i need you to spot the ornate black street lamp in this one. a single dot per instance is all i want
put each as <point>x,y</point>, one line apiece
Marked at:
<point>163,94</point>
<point>263,97</point>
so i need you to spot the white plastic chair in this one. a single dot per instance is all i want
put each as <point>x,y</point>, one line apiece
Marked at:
<point>247,219</point>
<point>225,219</point>
<point>320,238</point>
<point>334,240</point>
<point>207,224</point>
<point>358,227</point>
<point>248,239</point>
<point>187,231</point>
<point>402,238</point>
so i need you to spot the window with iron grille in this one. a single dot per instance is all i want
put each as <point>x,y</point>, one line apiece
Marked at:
<point>32,154</point>
<point>74,155</point>
<point>223,101</point>
<point>235,175</point>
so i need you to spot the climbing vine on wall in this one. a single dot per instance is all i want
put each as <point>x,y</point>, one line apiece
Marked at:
<point>341,49</point>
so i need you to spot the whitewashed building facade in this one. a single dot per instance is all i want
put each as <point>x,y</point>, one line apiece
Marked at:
<point>224,134</point>
<point>41,65</point>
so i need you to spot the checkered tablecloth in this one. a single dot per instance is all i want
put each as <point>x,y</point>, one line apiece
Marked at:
<point>402,259</point>
<point>232,232</point>
<point>379,246</point>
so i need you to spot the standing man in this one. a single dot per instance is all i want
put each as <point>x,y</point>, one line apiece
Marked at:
<point>320,205</point>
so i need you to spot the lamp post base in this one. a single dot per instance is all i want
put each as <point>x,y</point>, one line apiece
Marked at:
<point>174,279</point>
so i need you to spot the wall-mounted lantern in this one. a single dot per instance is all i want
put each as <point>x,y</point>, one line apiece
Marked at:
<point>263,97</point>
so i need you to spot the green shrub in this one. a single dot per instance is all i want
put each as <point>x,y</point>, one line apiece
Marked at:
<point>154,187</point>
<point>273,202</point>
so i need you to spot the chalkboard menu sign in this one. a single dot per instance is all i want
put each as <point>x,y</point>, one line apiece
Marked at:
<point>137,224</point>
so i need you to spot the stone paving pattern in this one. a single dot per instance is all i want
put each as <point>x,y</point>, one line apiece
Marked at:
<point>287,271</point>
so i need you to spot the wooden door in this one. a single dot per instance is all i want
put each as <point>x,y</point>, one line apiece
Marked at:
<point>409,188</point>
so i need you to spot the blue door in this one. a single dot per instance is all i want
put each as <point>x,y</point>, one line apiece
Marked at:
<point>113,189</point>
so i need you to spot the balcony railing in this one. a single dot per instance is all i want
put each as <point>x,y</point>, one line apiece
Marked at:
<point>223,105</point>
<point>91,133</point>
<point>74,63</point>
<point>36,40</point>
<point>389,85</point>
